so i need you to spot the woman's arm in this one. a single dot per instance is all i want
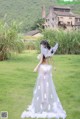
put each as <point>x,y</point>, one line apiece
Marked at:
<point>37,67</point>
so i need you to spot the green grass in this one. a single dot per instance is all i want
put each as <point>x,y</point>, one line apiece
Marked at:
<point>17,81</point>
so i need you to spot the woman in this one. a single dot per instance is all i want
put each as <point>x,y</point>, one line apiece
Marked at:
<point>45,103</point>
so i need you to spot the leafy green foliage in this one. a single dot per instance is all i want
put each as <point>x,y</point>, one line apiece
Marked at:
<point>9,39</point>
<point>39,24</point>
<point>69,41</point>
<point>28,11</point>
<point>30,45</point>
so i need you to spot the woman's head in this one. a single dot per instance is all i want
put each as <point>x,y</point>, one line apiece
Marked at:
<point>45,44</point>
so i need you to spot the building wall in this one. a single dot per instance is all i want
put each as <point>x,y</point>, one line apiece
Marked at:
<point>67,20</point>
<point>52,20</point>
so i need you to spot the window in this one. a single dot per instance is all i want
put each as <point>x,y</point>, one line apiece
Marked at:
<point>53,19</point>
<point>47,20</point>
<point>78,19</point>
<point>68,23</point>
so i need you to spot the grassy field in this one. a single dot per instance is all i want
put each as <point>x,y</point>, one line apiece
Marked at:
<point>17,81</point>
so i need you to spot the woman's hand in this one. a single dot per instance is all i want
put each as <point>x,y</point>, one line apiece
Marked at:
<point>35,70</point>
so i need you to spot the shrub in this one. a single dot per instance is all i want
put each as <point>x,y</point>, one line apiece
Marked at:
<point>10,39</point>
<point>69,41</point>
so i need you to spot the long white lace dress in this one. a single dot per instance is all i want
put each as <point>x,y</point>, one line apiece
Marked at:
<point>45,102</point>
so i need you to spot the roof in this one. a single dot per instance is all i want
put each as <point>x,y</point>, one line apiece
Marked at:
<point>77,16</point>
<point>61,13</point>
<point>64,13</point>
<point>33,32</point>
<point>60,7</point>
<point>58,13</point>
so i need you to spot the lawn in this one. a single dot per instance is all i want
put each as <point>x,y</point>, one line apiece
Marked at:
<point>17,81</point>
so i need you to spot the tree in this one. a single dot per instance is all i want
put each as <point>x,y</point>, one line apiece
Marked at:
<point>39,24</point>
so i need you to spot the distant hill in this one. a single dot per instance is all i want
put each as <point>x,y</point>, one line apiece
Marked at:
<point>27,11</point>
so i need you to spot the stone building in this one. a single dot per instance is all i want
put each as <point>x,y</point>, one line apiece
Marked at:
<point>60,17</point>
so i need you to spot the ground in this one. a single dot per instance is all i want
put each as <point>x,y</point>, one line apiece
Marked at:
<point>17,81</point>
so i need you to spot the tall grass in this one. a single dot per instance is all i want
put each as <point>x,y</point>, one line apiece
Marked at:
<point>10,40</point>
<point>69,41</point>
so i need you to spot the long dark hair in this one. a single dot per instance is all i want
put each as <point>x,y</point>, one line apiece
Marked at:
<point>46,45</point>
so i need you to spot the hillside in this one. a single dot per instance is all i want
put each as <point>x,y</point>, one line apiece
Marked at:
<point>27,11</point>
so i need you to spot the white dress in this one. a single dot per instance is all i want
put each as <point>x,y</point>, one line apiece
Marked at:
<point>45,102</point>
